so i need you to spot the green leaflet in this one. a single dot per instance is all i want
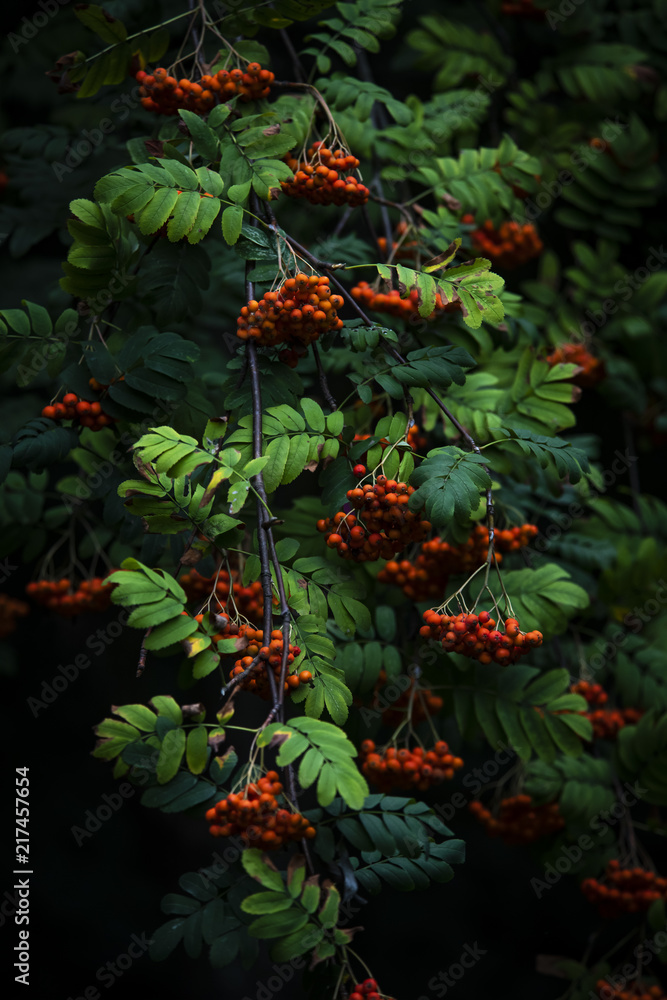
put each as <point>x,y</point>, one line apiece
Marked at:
<point>642,752</point>
<point>544,598</point>
<point>328,758</point>
<point>521,708</point>
<point>450,485</point>
<point>232,219</point>
<point>570,462</point>
<point>407,874</point>
<point>171,754</point>
<point>582,786</point>
<point>476,290</point>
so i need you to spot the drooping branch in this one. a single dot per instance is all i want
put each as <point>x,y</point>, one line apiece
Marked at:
<point>258,485</point>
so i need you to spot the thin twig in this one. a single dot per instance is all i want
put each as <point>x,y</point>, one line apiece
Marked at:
<point>296,62</point>
<point>342,222</point>
<point>633,471</point>
<point>258,485</point>
<point>143,652</point>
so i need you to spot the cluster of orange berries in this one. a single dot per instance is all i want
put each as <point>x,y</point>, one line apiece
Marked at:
<point>80,411</point>
<point>427,575</point>
<point>384,526</point>
<point>368,990</point>
<point>424,703</point>
<point>230,629</point>
<point>257,680</point>
<point>164,94</point>
<point>10,610</point>
<point>255,816</point>
<point>249,640</point>
<point>519,821</point>
<point>401,251</point>
<point>607,722</point>
<point>633,991</point>
<point>60,595</point>
<point>408,769</point>
<point>509,246</point>
<point>249,600</point>
<point>627,890</point>
<point>391,302</point>
<point>301,310</point>
<point>320,178</point>
<point>476,636</point>
<point>576,354</point>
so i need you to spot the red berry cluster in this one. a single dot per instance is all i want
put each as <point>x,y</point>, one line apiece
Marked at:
<point>164,94</point>
<point>401,251</point>
<point>10,610</point>
<point>625,890</point>
<point>80,411</point>
<point>519,821</point>
<point>320,178</point>
<point>301,310</point>
<point>391,302</point>
<point>592,370</point>
<point>248,600</point>
<point>62,597</point>
<point>408,769</point>
<point>476,636</point>
<point>507,247</point>
<point>257,680</point>
<point>368,990</point>
<point>607,722</point>
<point>255,816</point>
<point>385,524</point>
<point>424,703</point>
<point>633,991</point>
<point>427,575</point>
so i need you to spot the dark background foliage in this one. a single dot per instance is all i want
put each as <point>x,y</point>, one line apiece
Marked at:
<point>90,897</point>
